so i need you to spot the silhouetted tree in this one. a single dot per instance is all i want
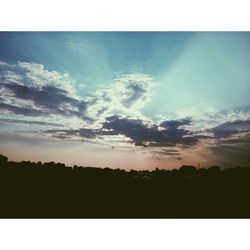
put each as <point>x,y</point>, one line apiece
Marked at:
<point>3,159</point>
<point>187,170</point>
<point>52,190</point>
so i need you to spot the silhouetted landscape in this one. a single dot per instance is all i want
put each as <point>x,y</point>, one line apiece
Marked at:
<point>53,190</point>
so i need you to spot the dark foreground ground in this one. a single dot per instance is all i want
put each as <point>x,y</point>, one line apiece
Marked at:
<point>50,190</point>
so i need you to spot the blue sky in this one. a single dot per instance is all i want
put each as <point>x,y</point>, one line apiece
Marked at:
<point>95,57</point>
<point>157,98</point>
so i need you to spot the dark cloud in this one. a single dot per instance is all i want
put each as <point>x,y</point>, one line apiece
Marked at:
<point>233,145</point>
<point>172,124</point>
<point>66,133</point>
<point>140,144</point>
<point>170,152</point>
<point>232,154</point>
<point>230,128</point>
<point>140,133</point>
<point>134,129</point>
<point>143,134</point>
<point>26,111</point>
<point>136,91</point>
<point>18,121</point>
<point>46,99</point>
<point>241,140</point>
<point>107,132</point>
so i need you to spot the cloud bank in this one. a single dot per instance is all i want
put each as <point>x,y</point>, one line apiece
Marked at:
<point>32,95</point>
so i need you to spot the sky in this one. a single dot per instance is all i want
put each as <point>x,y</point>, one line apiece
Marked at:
<point>130,100</point>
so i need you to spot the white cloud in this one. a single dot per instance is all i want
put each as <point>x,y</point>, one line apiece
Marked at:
<point>12,76</point>
<point>127,96</point>
<point>207,120</point>
<point>39,76</point>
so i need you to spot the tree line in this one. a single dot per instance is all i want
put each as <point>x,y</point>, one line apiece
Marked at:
<point>53,190</point>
